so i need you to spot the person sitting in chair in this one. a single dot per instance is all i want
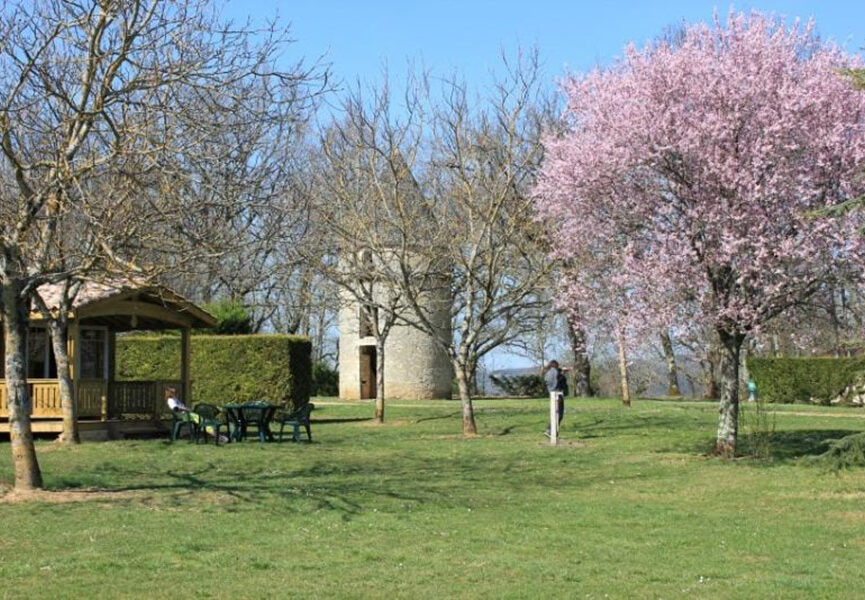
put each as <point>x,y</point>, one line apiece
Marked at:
<point>174,403</point>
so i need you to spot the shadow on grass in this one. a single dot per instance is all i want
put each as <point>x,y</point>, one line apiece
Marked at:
<point>439,417</point>
<point>787,446</point>
<point>777,448</point>
<point>346,488</point>
<point>339,420</point>
<point>604,427</point>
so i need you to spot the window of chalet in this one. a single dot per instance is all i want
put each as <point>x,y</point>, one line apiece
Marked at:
<point>93,355</point>
<point>40,356</point>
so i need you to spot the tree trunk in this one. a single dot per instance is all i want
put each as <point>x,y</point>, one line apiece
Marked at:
<point>68,404</point>
<point>379,380</point>
<point>728,421</point>
<point>711,389</point>
<point>472,375</point>
<point>15,314</point>
<point>710,383</point>
<point>775,345</point>
<point>623,368</point>
<point>672,373</point>
<point>582,365</point>
<point>469,426</point>
<point>744,375</point>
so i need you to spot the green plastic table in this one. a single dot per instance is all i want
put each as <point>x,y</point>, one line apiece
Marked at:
<point>241,416</point>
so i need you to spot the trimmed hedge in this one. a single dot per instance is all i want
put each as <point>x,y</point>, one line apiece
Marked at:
<point>787,380</point>
<point>224,369</point>
<point>531,385</point>
<point>325,379</point>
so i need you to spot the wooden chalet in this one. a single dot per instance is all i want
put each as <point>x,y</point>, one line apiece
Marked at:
<point>99,313</point>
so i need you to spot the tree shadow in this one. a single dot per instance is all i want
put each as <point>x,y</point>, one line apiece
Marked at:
<point>770,448</point>
<point>339,420</point>
<point>603,427</point>
<point>439,417</point>
<point>346,488</point>
<point>788,446</point>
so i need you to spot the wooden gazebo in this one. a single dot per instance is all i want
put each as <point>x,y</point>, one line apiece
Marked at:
<point>99,312</point>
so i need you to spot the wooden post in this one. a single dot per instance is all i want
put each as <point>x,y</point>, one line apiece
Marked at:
<point>73,345</point>
<point>108,388</point>
<point>184,366</point>
<point>554,419</point>
<point>72,349</point>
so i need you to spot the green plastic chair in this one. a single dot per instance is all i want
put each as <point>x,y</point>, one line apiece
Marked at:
<point>179,419</point>
<point>210,420</point>
<point>296,419</point>
<point>256,414</point>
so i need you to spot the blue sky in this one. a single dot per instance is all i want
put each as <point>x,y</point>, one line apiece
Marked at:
<point>358,36</point>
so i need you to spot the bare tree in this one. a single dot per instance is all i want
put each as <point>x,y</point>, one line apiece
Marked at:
<point>479,238</point>
<point>367,193</point>
<point>111,92</point>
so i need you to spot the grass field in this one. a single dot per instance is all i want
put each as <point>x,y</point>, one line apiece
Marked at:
<point>626,507</point>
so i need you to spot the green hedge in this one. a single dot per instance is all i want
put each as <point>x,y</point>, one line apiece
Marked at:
<point>325,379</point>
<point>224,369</point>
<point>786,380</point>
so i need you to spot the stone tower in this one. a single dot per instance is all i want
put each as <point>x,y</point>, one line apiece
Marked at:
<point>415,366</point>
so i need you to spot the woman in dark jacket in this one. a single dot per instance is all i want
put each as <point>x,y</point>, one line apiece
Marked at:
<point>556,383</point>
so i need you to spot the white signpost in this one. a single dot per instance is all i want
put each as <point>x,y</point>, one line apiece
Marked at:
<point>554,418</point>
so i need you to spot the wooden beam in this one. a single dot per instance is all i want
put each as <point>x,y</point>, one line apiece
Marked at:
<point>132,308</point>
<point>73,346</point>
<point>112,355</point>
<point>185,356</point>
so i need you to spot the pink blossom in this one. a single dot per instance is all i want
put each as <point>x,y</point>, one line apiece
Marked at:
<point>689,177</point>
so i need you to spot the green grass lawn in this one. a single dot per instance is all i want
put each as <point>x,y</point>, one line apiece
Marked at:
<point>626,507</point>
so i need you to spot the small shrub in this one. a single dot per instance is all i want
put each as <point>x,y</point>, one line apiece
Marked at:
<point>232,317</point>
<point>531,385</point>
<point>325,379</point>
<point>757,422</point>
<point>844,453</point>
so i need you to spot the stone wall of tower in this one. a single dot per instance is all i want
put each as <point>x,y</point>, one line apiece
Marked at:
<point>415,366</point>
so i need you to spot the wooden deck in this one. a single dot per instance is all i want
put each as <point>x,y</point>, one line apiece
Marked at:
<point>98,399</point>
<point>97,430</point>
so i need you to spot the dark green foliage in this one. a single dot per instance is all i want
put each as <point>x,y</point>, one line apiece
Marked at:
<point>149,357</point>
<point>532,385</point>
<point>232,317</point>
<point>325,379</point>
<point>801,379</point>
<point>844,453</point>
<point>225,368</point>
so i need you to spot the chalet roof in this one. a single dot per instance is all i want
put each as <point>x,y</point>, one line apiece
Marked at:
<point>127,304</point>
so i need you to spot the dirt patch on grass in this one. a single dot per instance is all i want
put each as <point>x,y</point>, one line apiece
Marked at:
<point>387,423</point>
<point>854,516</point>
<point>841,496</point>
<point>564,444</point>
<point>8,496</point>
<point>783,413</point>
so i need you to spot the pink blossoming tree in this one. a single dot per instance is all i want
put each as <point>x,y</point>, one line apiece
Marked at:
<point>711,157</point>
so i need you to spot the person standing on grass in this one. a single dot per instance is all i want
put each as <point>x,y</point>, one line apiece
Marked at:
<point>553,379</point>
<point>563,393</point>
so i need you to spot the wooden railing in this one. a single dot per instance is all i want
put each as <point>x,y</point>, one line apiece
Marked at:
<point>92,398</point>
<point>97,398</point>
<point>139,398</point>
<point>44,396</point>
